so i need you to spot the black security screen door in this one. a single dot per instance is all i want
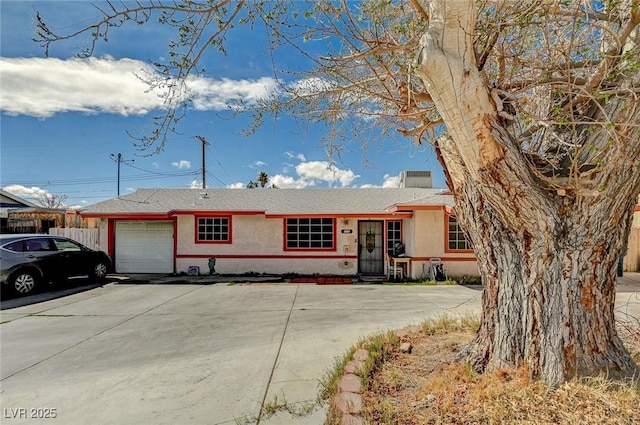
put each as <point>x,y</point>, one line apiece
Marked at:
<point>370,247</point>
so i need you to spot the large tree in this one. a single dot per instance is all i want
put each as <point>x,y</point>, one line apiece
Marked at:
<point>532,109</point>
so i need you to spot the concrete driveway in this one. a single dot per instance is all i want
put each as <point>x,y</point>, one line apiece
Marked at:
<point>194,354</point>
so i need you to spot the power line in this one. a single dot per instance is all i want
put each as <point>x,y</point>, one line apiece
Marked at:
<point>66,192</point>
<point>220,164</point>
<point>168,174</point>
<point>216,178</point>
<point>100,180</point>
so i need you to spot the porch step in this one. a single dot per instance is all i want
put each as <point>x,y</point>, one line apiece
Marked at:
<point>323,280</point>
<point>371,279</point>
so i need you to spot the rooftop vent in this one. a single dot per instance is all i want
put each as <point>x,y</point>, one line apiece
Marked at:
<point>416,179</point>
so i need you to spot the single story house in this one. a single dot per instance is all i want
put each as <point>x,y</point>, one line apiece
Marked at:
<point>343,231</point>
<point>346,231</point>
<point>10,202</point>
<point>39,219</point>
<point>18,215</point>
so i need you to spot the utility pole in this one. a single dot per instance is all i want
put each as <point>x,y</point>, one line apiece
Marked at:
<point>204,169</point>
<point>119,160</point>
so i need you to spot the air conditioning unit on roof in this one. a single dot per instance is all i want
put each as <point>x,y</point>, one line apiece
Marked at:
<point>416,179</point>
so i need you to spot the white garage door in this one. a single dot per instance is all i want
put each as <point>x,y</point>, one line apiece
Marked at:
<point>144,247</point>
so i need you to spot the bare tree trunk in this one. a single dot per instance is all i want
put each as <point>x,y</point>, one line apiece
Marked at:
<point>548,261</point>
<point>548,300</point>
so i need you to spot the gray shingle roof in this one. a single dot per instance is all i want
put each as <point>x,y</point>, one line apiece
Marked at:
<point>270,201</point>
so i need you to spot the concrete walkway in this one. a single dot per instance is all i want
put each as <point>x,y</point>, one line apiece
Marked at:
<point>630,280</point>
<point>200,354</point>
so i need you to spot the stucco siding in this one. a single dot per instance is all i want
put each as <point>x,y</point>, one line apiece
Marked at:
<point>250,235</point>
<point>305,266</point>
<point>428,234</point>
<point>257,245</point>
<point>429,238</point>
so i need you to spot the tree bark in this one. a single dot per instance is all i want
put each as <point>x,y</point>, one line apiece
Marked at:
<point>548,262</point>
<point>548,299</point>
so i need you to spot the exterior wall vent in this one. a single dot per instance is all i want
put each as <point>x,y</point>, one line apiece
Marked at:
<point>416,179</point>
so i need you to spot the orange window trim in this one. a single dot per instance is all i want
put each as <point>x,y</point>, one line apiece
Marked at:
<point>446,237</point>
<point>196,230</point>
<point>284,236</point>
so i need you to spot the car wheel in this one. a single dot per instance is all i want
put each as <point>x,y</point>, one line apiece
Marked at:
<point>23,282</point>
<point>99,271</point>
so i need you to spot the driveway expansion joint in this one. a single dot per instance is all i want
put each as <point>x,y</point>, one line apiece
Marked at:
<point>275,362</point>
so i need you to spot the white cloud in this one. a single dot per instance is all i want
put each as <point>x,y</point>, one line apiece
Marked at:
<point>324,171</point>
<point>391,181</point>
<point>257,164</point>
<point>183,164</point>
<point>36,194</point>
<point>42,87</point>
<point>237,185</point>
<point>298,156</point>
<point>312,85</point>
<point>195,184</point>
<point>312,173</point>
<point>288,182</point>
<point>216,95</point>
<point>26,192</point>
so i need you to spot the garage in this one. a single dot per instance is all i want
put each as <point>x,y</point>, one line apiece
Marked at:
<point>144,247</point>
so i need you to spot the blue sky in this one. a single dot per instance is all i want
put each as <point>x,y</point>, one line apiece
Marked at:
<point>63,118</point>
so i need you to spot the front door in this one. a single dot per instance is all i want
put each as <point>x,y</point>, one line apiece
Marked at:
<point>370,247</point>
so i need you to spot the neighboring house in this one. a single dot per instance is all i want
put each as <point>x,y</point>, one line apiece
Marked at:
<point>20,216</point>
<point>36,219</point>
<point>305,231</point>
<point>10,202</point>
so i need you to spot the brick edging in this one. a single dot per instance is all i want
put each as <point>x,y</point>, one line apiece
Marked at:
<point>348,399</point>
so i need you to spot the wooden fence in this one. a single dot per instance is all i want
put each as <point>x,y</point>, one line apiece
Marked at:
<point>632,259</point>
<point>87,237</point>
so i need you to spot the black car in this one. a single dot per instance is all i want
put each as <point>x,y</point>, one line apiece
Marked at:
<point>29,261</point>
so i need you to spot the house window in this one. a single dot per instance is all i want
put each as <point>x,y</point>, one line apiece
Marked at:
<point>214,229</point>
<point>394,235</point>
<point>457,240</point>
<point>310,233</point>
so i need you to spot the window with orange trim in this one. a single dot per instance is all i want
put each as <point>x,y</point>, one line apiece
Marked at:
<point>213,229</point>
<point>309,233</point>
<point>457,239</point>
<point>394,234</point>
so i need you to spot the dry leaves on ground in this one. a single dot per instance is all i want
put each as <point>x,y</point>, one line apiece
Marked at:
<point>428,387</point>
